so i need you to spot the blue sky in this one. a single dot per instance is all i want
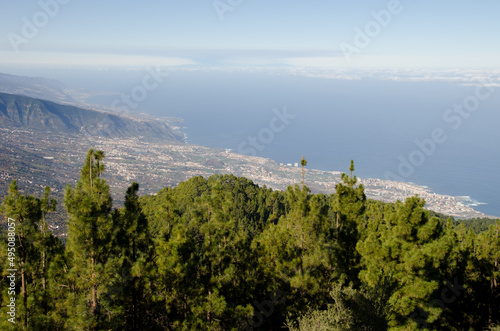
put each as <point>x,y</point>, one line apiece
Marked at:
<point>416,34</point>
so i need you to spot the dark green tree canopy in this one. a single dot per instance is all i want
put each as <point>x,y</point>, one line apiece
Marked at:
<point>222,253</point>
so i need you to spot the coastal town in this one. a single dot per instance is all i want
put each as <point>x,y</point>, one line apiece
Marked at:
<point>37,159</point>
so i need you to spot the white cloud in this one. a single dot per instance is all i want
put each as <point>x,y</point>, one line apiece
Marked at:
<point>89,59</point>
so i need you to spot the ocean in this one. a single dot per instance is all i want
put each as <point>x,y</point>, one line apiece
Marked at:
<point>435,133</point>
<point>374,122</point>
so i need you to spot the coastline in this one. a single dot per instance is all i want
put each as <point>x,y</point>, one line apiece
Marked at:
<point>157,164</point>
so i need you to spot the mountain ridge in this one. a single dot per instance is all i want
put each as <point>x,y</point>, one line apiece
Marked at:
<point>17,111</point>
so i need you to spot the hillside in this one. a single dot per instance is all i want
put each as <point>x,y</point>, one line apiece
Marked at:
<point>34,114</point>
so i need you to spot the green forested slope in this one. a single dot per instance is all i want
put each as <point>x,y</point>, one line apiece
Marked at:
<point>224,254</point>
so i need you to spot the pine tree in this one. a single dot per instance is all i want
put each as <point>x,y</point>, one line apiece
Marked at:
<point>48,292</point>
<point>36,248</point>
<point>488,254</point>
<point>25,210</point>
<point>303,163</point>
<point>411,254</point>
<point>129,265</point>
<point>349,205</point>
<point>89,232</point>
<point>294,254</point>
<point>47,205</point>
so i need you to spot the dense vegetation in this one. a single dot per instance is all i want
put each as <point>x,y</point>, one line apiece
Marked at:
<point>224,254</point>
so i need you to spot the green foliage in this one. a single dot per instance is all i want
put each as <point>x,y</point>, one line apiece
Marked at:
<point>89,244</point>
<point>303,163</point>
<point>351,310</point>
<point>413,254</point>
<point>295,254</point>
<point>477,224</point>
<point>37,254</point>
<point>212,254</point>
<point>130,263</point>
<point>348,204</point>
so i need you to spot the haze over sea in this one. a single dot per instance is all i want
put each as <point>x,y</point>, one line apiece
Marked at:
<point>371,119</point>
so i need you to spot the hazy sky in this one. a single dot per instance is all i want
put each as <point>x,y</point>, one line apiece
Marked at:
<point>329,33</point>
